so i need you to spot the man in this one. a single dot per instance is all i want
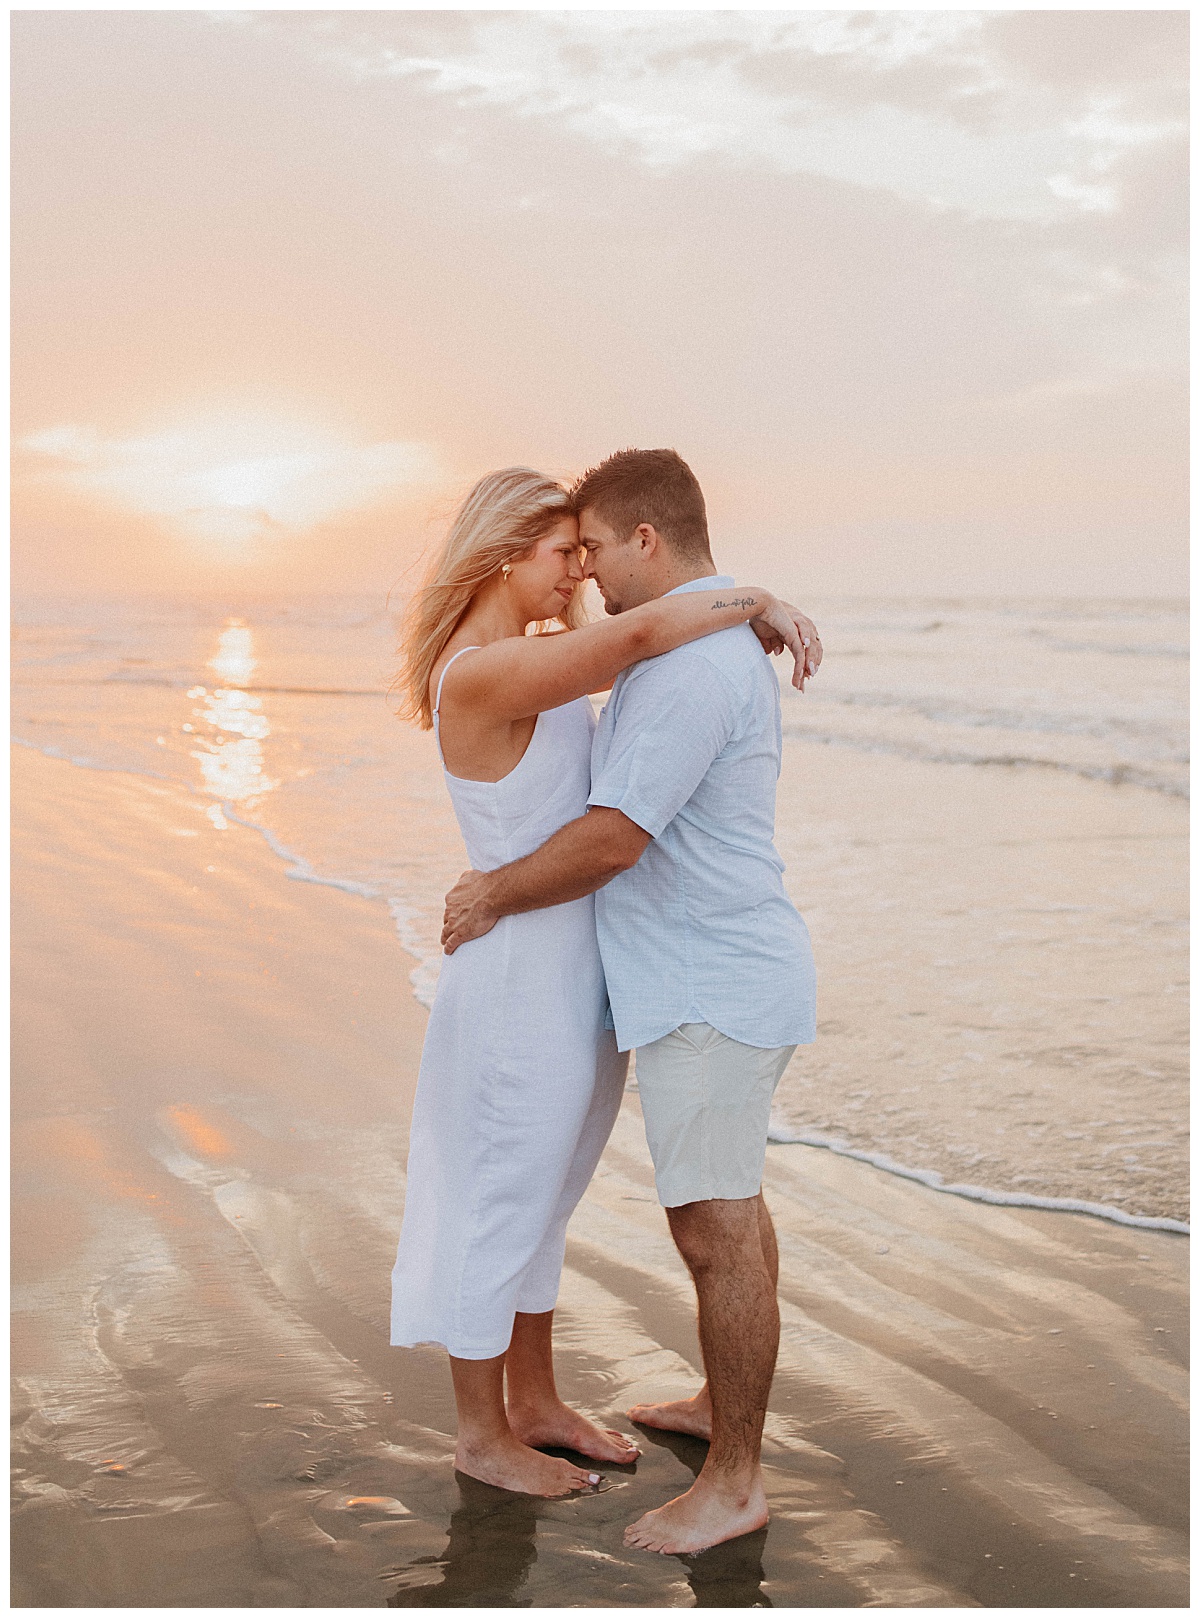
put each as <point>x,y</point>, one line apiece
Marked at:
<point>709,967</point>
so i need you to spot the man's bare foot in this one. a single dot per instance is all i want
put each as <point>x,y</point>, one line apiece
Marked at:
<point>558,1426</point>
<point>692,1416</point>
<point>509,1464</point>
<point>707,1514</point>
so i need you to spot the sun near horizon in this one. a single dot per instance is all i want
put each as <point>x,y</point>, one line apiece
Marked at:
<point>906,290</point>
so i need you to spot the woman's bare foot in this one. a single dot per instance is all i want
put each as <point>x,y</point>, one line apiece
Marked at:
<point>707,1514</point>
<point>692,1416</point>
<point>557,1425</point>
<point>508,1464</point>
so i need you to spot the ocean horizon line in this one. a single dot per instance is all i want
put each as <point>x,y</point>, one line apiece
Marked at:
<point>251,594</point>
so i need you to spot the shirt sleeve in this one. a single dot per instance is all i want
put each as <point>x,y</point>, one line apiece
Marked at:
<point>675,715</point>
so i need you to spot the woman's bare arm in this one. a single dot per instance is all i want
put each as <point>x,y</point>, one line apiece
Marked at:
<point>527,674</point>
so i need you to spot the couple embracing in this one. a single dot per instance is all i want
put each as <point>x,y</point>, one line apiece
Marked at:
<point>625,895</point>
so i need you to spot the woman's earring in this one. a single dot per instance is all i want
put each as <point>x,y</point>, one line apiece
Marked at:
<point>506,569</point>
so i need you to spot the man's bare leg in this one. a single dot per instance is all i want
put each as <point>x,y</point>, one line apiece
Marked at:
<point>487,1447</point>
<point>722,1244</point>
<point>536,1414</point>
<point>694,1415</point>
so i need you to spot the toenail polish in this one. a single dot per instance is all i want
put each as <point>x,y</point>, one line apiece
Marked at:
<point>593,1477</point>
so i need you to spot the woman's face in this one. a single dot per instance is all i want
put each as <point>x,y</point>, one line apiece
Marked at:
<point>552,572</point>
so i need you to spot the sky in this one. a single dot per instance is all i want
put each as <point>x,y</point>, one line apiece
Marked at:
<point>907,290</point>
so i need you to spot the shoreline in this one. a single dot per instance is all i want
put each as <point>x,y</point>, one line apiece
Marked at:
<point>932,1180</point>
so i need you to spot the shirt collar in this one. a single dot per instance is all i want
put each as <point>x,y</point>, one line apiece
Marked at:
<point>715,581</point>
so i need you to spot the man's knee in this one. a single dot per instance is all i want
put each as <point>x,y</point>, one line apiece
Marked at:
<point>723,1233</point>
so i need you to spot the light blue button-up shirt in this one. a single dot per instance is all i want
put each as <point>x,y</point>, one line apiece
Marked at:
<point>700,929</point>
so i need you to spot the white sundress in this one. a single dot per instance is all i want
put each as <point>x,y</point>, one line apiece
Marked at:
<point>520,1082</point>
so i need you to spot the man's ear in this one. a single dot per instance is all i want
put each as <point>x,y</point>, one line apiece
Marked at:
<point>648,539</point>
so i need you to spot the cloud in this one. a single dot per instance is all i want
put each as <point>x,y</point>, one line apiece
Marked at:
<point>928,264</point>
<point>228,479</point>
<point>953,109</point>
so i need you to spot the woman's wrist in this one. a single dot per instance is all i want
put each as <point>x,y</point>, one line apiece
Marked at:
<point>763,600</point>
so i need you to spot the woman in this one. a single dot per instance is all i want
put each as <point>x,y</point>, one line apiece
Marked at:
<point>520,1082</point>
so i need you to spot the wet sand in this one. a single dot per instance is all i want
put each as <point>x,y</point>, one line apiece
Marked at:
<point>212,1076</point>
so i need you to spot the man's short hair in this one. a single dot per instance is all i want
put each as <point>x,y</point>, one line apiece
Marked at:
<point>654,486</point>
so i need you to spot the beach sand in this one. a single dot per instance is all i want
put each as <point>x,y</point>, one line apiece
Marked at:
<point>213,1070</point>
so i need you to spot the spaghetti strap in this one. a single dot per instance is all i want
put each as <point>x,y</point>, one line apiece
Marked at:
<point>437,701</point>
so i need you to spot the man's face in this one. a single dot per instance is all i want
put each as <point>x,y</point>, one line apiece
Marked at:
<point>616,564</point>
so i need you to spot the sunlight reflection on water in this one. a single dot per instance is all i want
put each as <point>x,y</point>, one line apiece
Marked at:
<point>233,768</point>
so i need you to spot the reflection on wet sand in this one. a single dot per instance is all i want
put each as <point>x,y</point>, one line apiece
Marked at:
<point>488,1556</point>
<point>730,1575</point>
<point>493,1545</point>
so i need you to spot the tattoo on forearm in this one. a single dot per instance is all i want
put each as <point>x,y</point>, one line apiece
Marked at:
<point>738,601</point>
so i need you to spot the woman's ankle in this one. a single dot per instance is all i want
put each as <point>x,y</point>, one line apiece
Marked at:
<point>527,1402</point>
<point>481,1440</point>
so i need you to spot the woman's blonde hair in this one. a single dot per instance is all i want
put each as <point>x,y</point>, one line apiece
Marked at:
<point>504,515</point>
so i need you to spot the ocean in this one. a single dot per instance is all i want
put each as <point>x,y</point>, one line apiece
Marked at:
<point>982,811</point>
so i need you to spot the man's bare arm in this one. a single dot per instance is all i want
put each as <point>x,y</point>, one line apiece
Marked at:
<point>581,857</point>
